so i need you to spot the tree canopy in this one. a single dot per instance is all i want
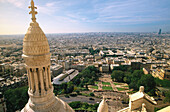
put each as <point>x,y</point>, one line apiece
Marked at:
<point>77,105</point>
<point>87,76</point>
<point>148,82</point>
<point>92,51</point>
<point>16,98</point>
<point>118,75</point>
<point>135,80</point>
<point>167,96</point>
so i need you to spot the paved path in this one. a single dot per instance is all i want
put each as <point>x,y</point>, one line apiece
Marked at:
<point>80,98</point>
<point>113,86</point>
<point>99,85</point>
<point>107,78</point>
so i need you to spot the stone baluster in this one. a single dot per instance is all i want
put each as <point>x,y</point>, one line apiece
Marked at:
<point>46,78</point>
<point>32,80</point>
<point>36,82</point>
<point>29,81</point>
<point>49,76</point>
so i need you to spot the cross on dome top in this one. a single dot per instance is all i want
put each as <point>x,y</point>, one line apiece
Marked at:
<point>33,12</point>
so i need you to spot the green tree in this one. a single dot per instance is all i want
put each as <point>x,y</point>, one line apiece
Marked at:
<point>91,82</point>
<point>70,88</point>
<point>76,104</point>
<point>87,76</point>
<point>167,96</point>
<point>148,82</point>
<point>118,75</point>
<point>127,77</point>
<point>78,92</point>
<point>92,51</point>
<point>91,94</point>
<point>162,83</point>
<point>134,78</point>
<point>85,105</point>
<point>136,75</point>
<point>16,98</point>
<point>77,81</point>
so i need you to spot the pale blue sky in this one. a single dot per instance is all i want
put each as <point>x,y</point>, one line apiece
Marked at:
<point>65,16</point>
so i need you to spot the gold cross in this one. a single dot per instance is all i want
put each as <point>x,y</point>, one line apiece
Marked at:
<point>33,12</point>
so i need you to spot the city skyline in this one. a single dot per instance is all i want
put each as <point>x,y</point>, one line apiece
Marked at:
<point>86,16</point>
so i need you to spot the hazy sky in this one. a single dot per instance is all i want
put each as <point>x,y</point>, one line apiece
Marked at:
<point>64,16</point>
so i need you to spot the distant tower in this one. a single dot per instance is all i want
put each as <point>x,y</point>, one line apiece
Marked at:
<point>159,32</point>
<point>36,53</point>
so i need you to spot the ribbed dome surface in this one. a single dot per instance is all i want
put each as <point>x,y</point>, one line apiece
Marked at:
<point>35,41</point>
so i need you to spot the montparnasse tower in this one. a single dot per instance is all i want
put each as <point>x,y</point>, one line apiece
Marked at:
<point>36,53</point>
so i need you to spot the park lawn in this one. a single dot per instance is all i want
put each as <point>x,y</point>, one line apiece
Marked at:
<point>107,88</point>
<point>96,82</point>
<point>125,86</point>
<point>94,87</point>
<point>106,83</point>
<point>116,83</point>
<point>81,88</point>
<point>121,89</point>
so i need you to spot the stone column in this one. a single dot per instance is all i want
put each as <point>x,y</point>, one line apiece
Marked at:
<point>36,82</point>
<point>46,78</point>
<point>32,80</point>
<point>41,80</point>
<point>28,75</point>
<point>49,76</point>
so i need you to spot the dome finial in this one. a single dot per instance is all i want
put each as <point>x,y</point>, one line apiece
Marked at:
<point>141,89</point>
<point>33,12</point>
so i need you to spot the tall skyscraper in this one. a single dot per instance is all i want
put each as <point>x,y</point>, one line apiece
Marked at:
<point>36,53</point>
<point>159,32</point>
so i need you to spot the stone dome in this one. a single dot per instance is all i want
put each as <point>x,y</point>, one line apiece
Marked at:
<point>35,41</point>
<point>103,107</point>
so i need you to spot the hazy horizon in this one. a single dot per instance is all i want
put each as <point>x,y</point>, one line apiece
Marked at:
<point>84,33</point>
